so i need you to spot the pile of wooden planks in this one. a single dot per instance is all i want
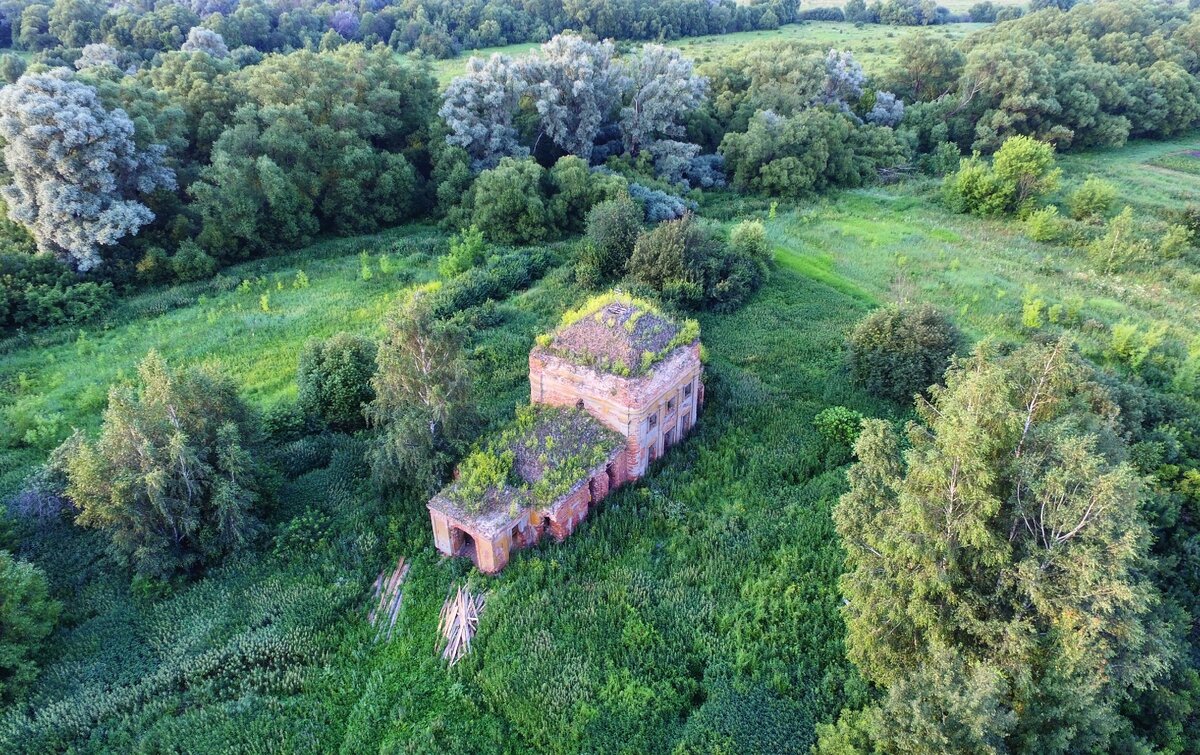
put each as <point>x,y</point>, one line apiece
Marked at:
<point>385,603</point>
<point>460,619</point>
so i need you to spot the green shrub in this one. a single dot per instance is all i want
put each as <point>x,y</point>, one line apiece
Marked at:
<point>612,230</point>
<point>575,189</point>
<point>1175,242</point>
<point>838,426</point>
<point>975,189</point>
<point>467,250</point>
<point>749,238</point>
<point>155,266</point>
<point>27,614</point>
<point>191,263</point>
<point>1093,200</point>
<point>661,260</point>
<point>509,202</point>
<point>1044,224</point>
<point>40,291</point>
<point>587,269</point>
<point>1022,171</point>
<point>944,159</point>
<point>1033,309</point>
<point>1121,247</point>
<point>901,350</point>
<point>502,275</point>
<point>1189,218</point>
<point>334,379</point>
<point>685,264</point>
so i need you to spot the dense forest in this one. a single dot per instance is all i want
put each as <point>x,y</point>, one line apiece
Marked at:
<point>264,282</point>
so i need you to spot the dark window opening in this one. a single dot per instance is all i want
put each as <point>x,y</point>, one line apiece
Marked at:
<point>670,405</point>
<point>579,404</point>
<point>653,421</point>
<point>687,390</point>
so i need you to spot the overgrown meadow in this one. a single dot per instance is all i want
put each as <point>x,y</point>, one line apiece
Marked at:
<point>669,615</point>
<point>695,611</point>
<point>874,45</point>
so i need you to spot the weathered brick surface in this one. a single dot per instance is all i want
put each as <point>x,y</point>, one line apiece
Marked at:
<point>652,411</point>
<point>626,404</point>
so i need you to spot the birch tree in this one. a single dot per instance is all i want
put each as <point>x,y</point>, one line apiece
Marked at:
<point>422,388</point>
<point>170,480</point>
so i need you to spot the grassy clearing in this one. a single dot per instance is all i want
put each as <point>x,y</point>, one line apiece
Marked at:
<point>679,612</point>
<point>889,243</point>
<point>1150,176</point>
<point>250,322</point>
<point>873,45</point>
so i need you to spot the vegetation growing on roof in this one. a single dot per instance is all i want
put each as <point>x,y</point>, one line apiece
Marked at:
<point>534,461</point>
<point>647,334</point>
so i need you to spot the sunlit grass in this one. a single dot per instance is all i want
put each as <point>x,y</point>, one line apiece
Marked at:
<point>873,44</point>
<point>253,332</point>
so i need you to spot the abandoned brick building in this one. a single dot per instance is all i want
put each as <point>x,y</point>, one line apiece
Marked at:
<point>611,389</point>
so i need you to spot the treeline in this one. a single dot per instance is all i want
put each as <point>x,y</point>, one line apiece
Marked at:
<point>196,161</point>
<point>207,155</point>
<point>1096,75</point>
<point>438,28</point>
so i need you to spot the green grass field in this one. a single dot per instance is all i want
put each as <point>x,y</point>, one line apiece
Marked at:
<point>873,45</point>
<point>57,379</point>
<point>708,588</point>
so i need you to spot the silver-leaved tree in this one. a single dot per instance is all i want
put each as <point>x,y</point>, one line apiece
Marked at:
<point>662,87</point>
<point>577,88</point>
<point>77,175</point>
<point>479,107</point>
<point>200,39</point>
<point>572,91</point>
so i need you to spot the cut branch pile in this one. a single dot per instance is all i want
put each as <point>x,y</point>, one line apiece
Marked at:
<point>460,620</point>
<point>385,603</point>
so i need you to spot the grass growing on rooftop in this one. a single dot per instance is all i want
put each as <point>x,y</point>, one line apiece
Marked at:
<point>645,338</point>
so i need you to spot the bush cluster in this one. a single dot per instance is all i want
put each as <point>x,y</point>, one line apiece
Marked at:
<point>1021,172</point>
<point>502,275</point>
<point>519,202</point>
<point>899,351</point>
<point>334,379</point>
<point>39,291</point>
<point>687,264</point>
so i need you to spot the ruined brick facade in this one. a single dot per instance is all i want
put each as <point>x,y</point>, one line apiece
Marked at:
<point>651,410</point>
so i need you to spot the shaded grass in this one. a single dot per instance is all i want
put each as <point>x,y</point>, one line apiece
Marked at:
<point>1150,176</point>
